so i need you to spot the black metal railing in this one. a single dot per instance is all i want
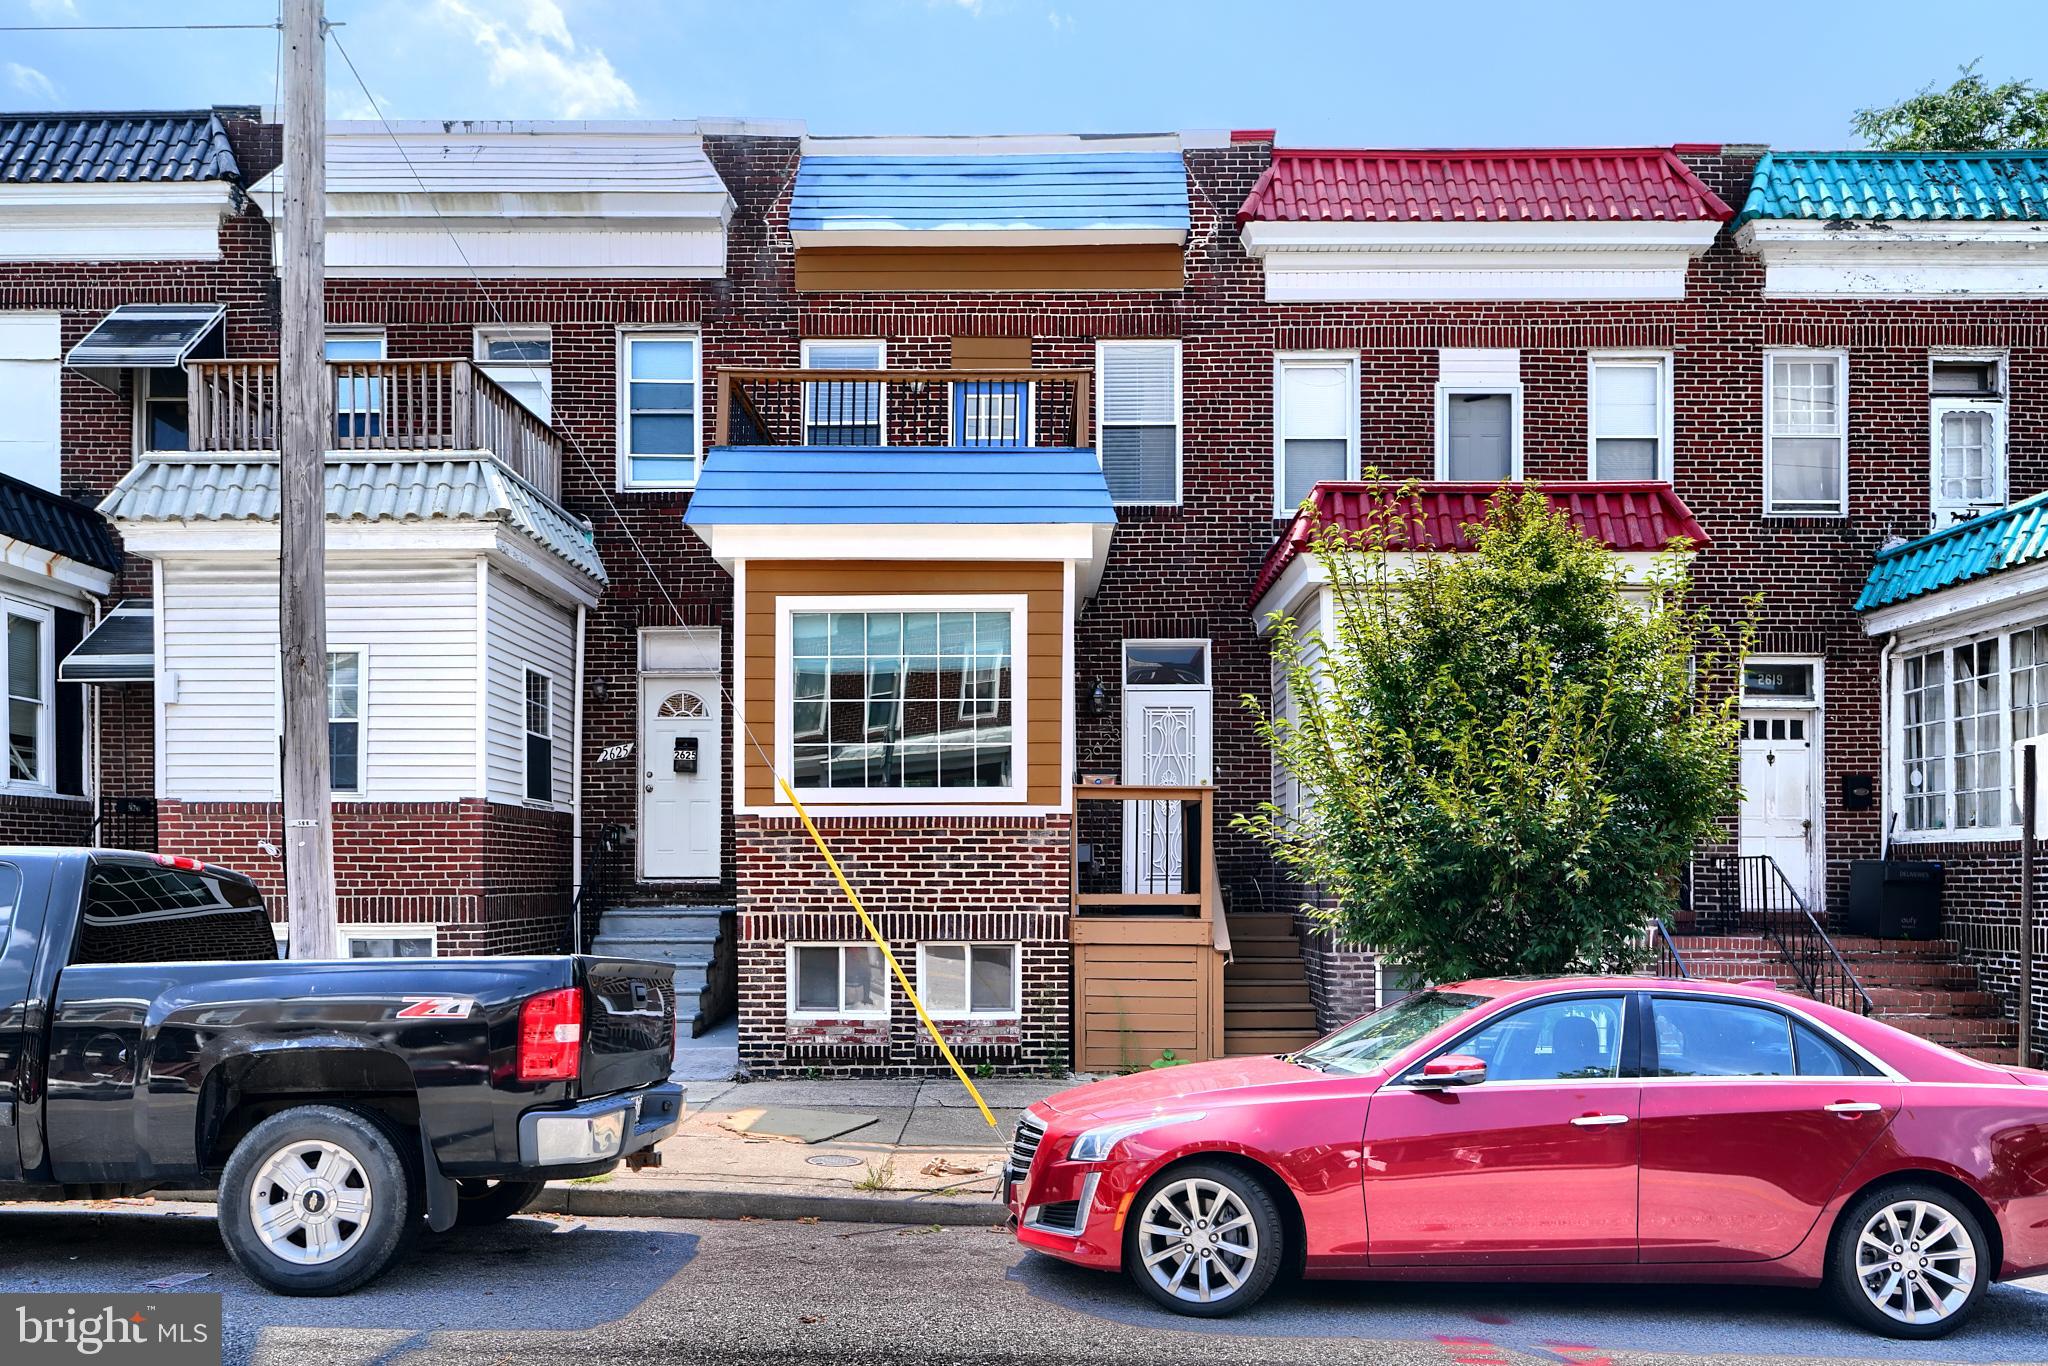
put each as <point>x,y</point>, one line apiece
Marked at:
<point>1669,961</point>
<point>1750,894</point>
<point>604,854</point>
<point>125,823</point>
<point>990,409</point>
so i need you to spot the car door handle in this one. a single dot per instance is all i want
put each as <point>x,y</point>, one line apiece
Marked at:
<point>1598,1121</point>
<point>1853,1107</point>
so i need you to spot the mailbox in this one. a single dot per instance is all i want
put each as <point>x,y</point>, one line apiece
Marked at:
<point>686,754</point>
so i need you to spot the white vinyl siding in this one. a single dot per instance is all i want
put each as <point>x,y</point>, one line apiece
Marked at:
<point>527,632</point>
<point>1806,433</point>
<point>1315,400</point>
<point>217,693</point>
<point>31,374</point>
<point>1137,434</point>
<point>1628,413</point>
<point>1288,794</point>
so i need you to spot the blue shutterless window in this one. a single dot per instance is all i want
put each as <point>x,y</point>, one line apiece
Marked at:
<point>991,413</point>
<point>358,399</point>
<point>661,417</point>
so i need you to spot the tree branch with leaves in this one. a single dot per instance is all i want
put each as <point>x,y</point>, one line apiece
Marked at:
<point>1971,115</point>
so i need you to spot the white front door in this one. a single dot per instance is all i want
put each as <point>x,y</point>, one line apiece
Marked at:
<point>681,816</point>
<point>1777,791</point>
<point>1166,744</point>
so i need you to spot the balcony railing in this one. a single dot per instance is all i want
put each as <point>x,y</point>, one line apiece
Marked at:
<point>998,409</point>
<point>394,406</point>
<point>1750,894</point>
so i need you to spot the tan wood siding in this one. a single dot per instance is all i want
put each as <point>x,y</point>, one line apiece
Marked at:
<point>1043,648</point>
<point>1147,266</point>
<point>991,353</point>
<point>1142,987</point>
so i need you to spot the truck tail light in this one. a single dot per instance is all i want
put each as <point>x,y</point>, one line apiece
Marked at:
<point>551,1036</point>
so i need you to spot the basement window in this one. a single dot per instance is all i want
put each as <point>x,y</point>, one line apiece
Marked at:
<point>966,981</point>
<point>838,981</point>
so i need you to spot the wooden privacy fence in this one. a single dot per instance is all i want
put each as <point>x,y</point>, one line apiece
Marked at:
<point>1149,934</point>
<point>391,406</point>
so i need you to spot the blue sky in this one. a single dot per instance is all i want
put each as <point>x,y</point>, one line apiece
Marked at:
<point>1547,72</point>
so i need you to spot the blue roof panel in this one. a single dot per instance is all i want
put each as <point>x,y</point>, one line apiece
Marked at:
<point>1091,191</point>
<point>898,486</point>
<point>1892,186</point>
<point>1970,550</point>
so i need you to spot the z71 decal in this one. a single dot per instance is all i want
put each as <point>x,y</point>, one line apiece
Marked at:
<point>436,1008</point>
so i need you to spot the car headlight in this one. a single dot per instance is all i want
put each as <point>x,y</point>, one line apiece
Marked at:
<point>1096,1144</point>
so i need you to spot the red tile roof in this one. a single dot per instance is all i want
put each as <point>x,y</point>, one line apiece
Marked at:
<point>1584,184</point>
<point>1644,516</point>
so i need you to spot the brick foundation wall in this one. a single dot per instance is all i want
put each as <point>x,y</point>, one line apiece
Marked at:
<point>491,878</point>
<point>983,879</point>
<point>45,820</point>
<point>1980,905</point>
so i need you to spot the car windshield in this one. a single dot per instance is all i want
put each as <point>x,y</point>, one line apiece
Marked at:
<point>1368,1044</point>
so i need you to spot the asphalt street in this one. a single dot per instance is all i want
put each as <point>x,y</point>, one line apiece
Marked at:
<point>626,1291</point>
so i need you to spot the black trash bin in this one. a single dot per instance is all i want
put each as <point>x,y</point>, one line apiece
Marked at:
<point>1895,898</point>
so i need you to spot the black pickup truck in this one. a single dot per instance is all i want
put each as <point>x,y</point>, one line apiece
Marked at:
<point>151,1038</point>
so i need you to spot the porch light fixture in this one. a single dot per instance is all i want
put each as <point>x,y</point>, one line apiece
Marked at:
<point>600,688</point>
<point>1098,699</point>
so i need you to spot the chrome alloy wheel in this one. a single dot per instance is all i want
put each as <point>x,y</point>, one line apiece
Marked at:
<point>1198,1240</point>
<point>1915,1262</point>
<point>310,1202</point>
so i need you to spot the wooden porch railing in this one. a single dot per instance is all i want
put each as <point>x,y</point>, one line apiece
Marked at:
<point>995,408</point>
<point>394,406</point>
<point>1149,933</point>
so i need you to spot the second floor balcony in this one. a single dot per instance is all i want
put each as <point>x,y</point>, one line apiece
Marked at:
<point>961,409</point>
<point>392,407</point>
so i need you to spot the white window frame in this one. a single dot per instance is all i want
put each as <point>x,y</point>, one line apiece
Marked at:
<point>1015,1009</point>
<point>527,674</point>
<point>1349,362</point>
<point>1661,362</point>
<point>1840,359</point>
<point>1016,604</point>
<point>1939,405</point>
<point>789,997</point>
<point>45,781</point>
<point>142,402</point>
<point>2007,827</point>
<point>1102,348</point>
<point>881,345</point>
<point>622,412</point>
<point>1445,391</point>
<point>520,370</point>
<point>347,934</point>
<point>361,722</point>
<point>369,391</point>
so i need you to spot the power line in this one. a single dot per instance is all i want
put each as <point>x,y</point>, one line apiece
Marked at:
<point>134,28</point>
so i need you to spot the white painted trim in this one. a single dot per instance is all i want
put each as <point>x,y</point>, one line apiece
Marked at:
<point>65,580</point>
<point>881,345</point>
<point>622,411</point>
<point>1084,544</point>
<point>163,687</point>
<point>1939,404</point>
<point>1102,346</point>
<point>1815,892</point>
<point>527,673</point>
<point>44,784</point>
<point>1016,1010</point>
<point>426,930</point>
<point>483,676</point>
<point>1445,392</point>
<point>1018,605</point>
<point>576,761</point>
<point>362,791</point>
<point>1305,572</point>
<point>789,981</point>
<point>1350,360</point>
<point>1841,359</point>
<point>1663,360</point>
<point>1899,259</point>
<point>1263,238</point>
<point>156,221</point>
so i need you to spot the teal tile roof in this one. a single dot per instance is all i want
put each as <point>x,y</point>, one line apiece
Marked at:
<point>1969,550</point>
<point>1889,186</point>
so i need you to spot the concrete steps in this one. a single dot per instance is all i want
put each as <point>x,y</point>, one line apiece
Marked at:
<point>1266,1003</point>
<point>698,940</point>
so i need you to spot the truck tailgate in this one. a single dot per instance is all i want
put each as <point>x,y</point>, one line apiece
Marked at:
<point>629,1023</point>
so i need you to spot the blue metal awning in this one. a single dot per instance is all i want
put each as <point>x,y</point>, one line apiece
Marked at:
<point>899,486</point>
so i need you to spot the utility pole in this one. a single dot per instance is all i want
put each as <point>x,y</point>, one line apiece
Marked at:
<point>305,429</point>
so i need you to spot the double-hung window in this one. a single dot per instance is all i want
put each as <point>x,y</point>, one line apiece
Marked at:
<point>1479,415</point>
<point>1628,410</point>
<point>520,360</point>
<point>345,720</point>
<point>1137,435</point>
<point>540,736</point>
<point>1806,433</point>
<point>838,981</point>
<point>358,390</point>
<point>903,701</point>
<point>844,412</point>
<point>30,667</point>
<point>1966,436</point>
<point>962,981</point>
<point>166,408</point>
<point>658,429</point>
<point>1315,427</point>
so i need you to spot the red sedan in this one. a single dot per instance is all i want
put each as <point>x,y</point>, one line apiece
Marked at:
<point>1566,1129</point>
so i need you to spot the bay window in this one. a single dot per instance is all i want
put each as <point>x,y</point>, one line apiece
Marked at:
<point>1806,433</point>
<point>1961,708</point>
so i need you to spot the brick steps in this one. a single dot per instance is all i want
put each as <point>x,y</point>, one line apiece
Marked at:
<point>1239,1043</point>
<point>1266,1003</point>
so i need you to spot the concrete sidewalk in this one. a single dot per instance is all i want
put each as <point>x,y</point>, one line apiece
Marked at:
<point>914,1151</point>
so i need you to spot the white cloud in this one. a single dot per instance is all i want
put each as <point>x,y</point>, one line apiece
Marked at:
<point>52,9</point>
<point>539,56</point>
<point>30,82</point>
<point>1061,23</point>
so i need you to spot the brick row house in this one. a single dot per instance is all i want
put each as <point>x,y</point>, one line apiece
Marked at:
<point>951,483</point>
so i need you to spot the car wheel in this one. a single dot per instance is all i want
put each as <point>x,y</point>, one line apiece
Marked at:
<point>1909,1261</point>
<point>479,1203</point>
<point>316,1200</point>
<point>1205,1239</point>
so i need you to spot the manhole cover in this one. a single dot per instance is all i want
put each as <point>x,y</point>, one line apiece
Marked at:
<point>833,1160</point>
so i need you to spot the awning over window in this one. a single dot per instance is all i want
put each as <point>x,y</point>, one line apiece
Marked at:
<point>121,649</point>
<point>147,337</point>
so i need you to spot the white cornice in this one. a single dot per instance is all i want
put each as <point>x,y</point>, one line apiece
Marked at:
<point>1806,259</point>
<point>152,221</point>
<point>1260,237</point>
<point>40,565</point>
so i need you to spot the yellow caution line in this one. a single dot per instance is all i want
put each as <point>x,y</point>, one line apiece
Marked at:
<point>881,943</point>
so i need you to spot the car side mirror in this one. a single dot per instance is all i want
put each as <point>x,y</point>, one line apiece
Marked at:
<point>1451,1069</point>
